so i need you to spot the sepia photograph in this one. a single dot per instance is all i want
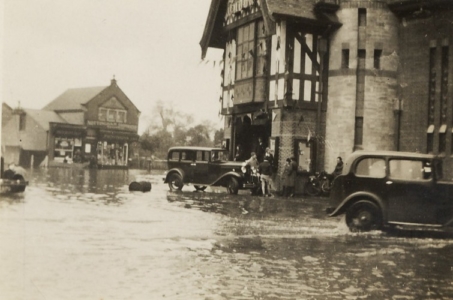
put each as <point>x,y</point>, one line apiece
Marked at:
<point>226,149</point>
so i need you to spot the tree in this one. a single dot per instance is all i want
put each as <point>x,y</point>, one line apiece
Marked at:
<point>169,127</point>
<point>218,137</point>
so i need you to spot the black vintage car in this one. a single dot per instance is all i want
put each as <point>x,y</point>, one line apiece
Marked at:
<point>384,189</point>
<point>204,166</point>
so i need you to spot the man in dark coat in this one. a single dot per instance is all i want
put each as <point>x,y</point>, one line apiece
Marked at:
<point>265,169</point>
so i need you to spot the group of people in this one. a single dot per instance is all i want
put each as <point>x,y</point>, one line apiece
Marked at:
<point>259,168</point>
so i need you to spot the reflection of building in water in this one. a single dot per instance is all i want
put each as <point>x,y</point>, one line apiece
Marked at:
<point>94,125</point>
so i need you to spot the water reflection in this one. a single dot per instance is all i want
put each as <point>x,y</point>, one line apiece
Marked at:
<point>80,234</point>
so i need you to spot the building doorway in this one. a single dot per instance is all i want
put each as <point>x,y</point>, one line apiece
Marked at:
<point>248,133</point>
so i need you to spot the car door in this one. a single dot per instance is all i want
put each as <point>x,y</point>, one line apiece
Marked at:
<point>368,176</point>
<point>411,193</point>
<point>215,166</point>
<point>187,163</point>
<point>200,167</point>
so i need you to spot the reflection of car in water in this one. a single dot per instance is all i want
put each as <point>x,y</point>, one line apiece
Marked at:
<point>203,166</point>
<point>385,188</point>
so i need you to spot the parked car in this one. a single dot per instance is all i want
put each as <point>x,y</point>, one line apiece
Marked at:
<point>383,189</point>
<point>204,166</point>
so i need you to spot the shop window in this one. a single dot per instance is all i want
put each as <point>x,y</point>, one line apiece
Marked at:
<point>64,149</point>
<point>112,153</point>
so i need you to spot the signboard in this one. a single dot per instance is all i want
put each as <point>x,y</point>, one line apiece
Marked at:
<point>113,125</point>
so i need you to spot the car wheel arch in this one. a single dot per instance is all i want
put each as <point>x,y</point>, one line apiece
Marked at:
<point>353,198</point>
<point>224,179</point>
<point>173,171</point>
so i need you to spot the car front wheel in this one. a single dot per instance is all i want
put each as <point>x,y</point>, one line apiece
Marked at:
<point>363,216</point>
<point>175,182</point>
<point>233,186</point>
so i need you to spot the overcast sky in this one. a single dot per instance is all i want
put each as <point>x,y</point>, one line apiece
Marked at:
<point>151,46</point>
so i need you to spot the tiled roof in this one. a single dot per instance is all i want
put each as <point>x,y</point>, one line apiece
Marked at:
<point>43,117</point>
<point>73,98</point>
<point>295,8</point>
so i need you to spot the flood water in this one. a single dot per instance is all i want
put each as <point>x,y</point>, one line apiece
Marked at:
<point>80,234</point>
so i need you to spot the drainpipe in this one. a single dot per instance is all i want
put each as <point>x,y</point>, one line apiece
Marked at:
<point>322,49</point>
<point>398,110</point>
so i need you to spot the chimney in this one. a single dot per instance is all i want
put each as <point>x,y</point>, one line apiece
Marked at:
<point>113,81</point>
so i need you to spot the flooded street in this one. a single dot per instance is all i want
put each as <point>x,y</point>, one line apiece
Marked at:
<point>80,234</point>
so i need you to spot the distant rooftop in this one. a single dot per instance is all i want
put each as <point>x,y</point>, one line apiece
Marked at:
<point>43,117</point>
<point>73,99</point>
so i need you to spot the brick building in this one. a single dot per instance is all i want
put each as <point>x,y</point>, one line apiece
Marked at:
<point>317,79</point>
<point>96,125</point>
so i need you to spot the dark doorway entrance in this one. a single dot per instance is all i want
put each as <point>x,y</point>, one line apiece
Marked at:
<point>248,132</point>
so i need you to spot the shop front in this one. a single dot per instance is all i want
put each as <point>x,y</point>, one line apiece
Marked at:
<point>66,143</point>
<point>112,148</point>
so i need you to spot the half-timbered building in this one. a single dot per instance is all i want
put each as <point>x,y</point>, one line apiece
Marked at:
<point>317,79</point>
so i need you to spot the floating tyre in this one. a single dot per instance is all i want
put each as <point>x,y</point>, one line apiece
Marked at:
<point>141,186</point>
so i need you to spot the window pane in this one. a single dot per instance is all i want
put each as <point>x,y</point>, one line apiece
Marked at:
<point>111,114</point>
<point>206,156</point>
<point>240,35</point>
<point>245,36</point>
<point>102,115</point>
<point>199,155</point>
<point>409,169</point>
<point>252,32</point>
<point>308,65</point>
<point>174,155</point>
<point>309,41</point>
<point>371,167</point>
<point>307,90</point>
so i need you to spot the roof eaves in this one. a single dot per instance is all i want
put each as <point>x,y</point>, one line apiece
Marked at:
<point>209,27</point>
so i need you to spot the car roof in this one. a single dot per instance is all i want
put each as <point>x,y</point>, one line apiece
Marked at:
<point>389,154</point>
<point>194,148</point>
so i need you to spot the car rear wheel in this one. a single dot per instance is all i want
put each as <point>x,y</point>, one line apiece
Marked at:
<point>363,216</point>
<point>233,186</point>
<point>175,182</point>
